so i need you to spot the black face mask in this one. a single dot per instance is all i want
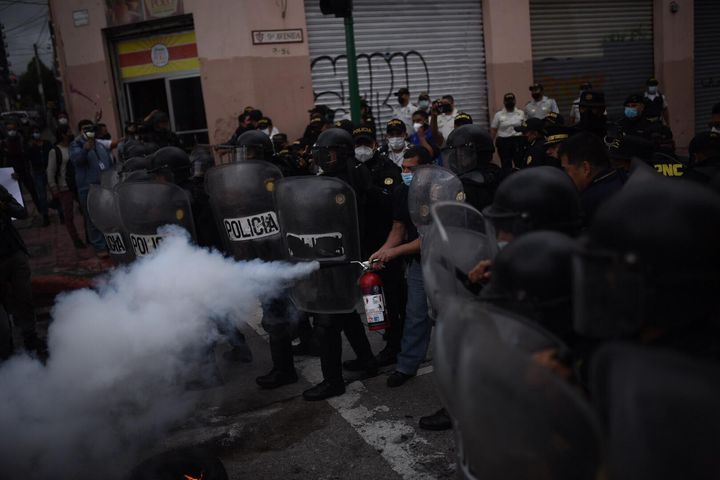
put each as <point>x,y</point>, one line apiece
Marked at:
<point>446,108</point>
<point>400,101</point>
<point>509,105</point>
<point>537,96</point>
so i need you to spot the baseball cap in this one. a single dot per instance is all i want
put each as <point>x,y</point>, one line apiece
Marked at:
<point>424,95</point>
<point>652,82</point>
<point>553,118</point>
<point>396,125</point>
<point>509,96</point>
<point>263,122</point>
<point>535,86</point>
<point>363,132</point>
<point>557,133</point>
<point>634,98</point>
<point>592,98</point>
<point>402,91</point>
<point>462,118</point>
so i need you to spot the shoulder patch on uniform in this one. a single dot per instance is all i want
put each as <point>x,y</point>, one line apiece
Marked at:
<point>389,181</point>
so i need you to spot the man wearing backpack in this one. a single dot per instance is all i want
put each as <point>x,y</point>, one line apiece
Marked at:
<point>61,179</point>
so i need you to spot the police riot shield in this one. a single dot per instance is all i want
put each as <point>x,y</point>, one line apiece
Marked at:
<point>431,184</point>
<point>459,312</point>
<point>147,206</point>
<point>104,213</point>
<point>454,244</point>
<point>319,222</point>
<point>109,178</point>
<point>241,197</point>
<point>660,409</point>
<point>516,418</point>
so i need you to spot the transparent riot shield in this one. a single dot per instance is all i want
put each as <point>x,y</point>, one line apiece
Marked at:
<point>241,197</point>
<point>660,409</point>
<point>454,244</point>
<point>431,184</point>
<point>319,222</point>
<point>104,213</point>
<point>516,418</point>
<point>147,206</point>
<point>456,318</point>
<point>109,178</point>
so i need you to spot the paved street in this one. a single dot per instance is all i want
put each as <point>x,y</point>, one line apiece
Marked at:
<point>370,432</point>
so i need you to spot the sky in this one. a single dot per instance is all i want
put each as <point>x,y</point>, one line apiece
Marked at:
<point>25,23</point>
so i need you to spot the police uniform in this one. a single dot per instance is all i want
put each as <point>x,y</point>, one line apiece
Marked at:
<point>540,108</point>
<point>603,186</point>
<point>668,165</point>
<point>655,105</point>
<point>385,179</point>
<point>508,141</point>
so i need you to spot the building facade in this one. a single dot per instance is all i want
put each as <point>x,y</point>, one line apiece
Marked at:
<point>204,61</point>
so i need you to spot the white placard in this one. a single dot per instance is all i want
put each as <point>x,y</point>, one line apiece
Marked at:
<point>11,184</point>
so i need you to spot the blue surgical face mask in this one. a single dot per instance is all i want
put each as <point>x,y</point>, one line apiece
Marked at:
<point>407,178</point>
<point>652,90</point>
<point>631,112</point>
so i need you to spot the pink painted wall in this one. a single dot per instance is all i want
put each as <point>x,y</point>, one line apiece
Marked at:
<point>236,73</point>
<point>84,62</point>
<point>508,50</point>
<point>673,37</point>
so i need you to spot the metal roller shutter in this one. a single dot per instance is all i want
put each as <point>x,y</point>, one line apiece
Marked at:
<point>608,43</point>
<point>707,61</point>
<point>424,45</point>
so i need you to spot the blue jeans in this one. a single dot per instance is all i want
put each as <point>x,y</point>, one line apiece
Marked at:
<point>418,326</point>
<point>95,237</point>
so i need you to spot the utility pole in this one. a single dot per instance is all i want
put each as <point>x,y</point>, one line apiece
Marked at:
<point>352,70</point>
<point>343,8</point>
<point>39,74</point>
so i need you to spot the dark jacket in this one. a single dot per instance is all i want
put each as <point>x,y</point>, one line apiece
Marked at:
<point>385,178</point>
<point>10,239</point>
<point>604,185</point>
<point>705,172</point>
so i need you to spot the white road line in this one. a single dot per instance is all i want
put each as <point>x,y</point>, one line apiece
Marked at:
<point>394,440</point>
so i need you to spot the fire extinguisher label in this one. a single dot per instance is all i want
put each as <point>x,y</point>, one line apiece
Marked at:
<point>374,309</point>
<point>374,302</point>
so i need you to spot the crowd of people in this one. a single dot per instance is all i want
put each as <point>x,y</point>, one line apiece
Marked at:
<point>640,222</point>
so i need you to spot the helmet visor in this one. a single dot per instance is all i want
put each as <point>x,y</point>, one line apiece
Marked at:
<point>249,152</point>
<point>460,159</point>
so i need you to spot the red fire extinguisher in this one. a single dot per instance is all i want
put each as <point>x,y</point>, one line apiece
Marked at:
<point>374,301</point>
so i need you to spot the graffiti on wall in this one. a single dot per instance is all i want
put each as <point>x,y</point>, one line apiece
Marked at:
<point>380,75</point>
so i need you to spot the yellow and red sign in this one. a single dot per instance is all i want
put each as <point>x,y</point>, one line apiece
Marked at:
<point>158,55</point>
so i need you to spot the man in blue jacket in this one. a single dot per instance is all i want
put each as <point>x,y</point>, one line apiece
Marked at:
<point>90,158</point>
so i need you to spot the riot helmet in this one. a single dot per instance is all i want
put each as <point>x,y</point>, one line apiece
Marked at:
<point>533,277</point>
<point>650,261</point>
<point>171,164</point>
<point>333,150</point>
<point>467,148</point>
<point>136,163</point>
<point>202,160</point>
<point>254,145</point>
<point>533,199</point>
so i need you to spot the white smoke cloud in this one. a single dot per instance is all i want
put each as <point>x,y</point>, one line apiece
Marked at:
<point>119,359</point>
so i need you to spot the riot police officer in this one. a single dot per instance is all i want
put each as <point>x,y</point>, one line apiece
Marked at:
<point>653,277</point>
<point>156,131</point>
<point>468,153</point>
<point>334,154</point>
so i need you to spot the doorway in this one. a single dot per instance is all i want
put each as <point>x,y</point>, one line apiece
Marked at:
<point>179,96</point>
